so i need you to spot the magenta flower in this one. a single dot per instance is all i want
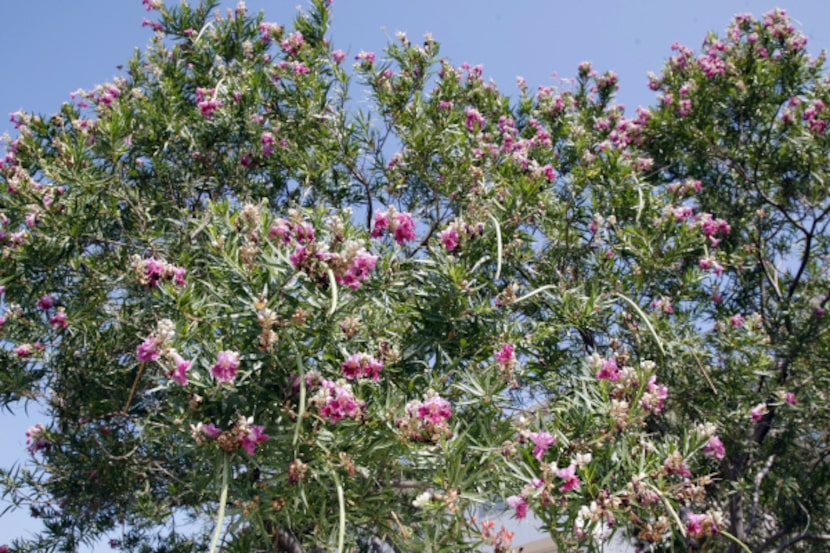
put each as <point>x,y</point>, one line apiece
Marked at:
<point>519,504</point>
<point>758,412</point>
<point>358,270</point>
<point>24,350</point>
<point>676,464</point>
<point>338,402</point>
<point>449,237</point>
<point>148,350</point>
<point>505,354</point>
<point>154,270</point>
<point>609,370</point>
<point>789,397</point>
<point>694,524</point>
<point>267,141</point>
<point>654,396</point>
<point>227,363</point>
<point>280,231</point>
<point>179,373</point>
<point>714,448</point>
<point>435,410</point>
<point>404,228</point>
<point>338,56</point>
<point>251,436</point>
<point>366,57</point>
<point>207,107</point>
<point>701,525</point>
<point>380,223</point>
<point>299,257</point>
<point>35,439</point>
<point>293,42</point>
<point>209,430</point>
<point>737,321</point>
<point>58,320</point>
<point>475,121</point>
<point>304,233</point>
<point>568,474</point>
<point>542,441</point>
<point>177,275</point>
<point>361,365</point>
<point>46,302</point>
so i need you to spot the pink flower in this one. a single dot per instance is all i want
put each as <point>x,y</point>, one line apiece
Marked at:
<point>148,350</point>
<point>475,121</point>
<point>654,396</point>
<point>404,228</point>
<point>568,474</point>
<point>35,439</point>
<point>366,57</point>
<point>227,363</point>
<point>737,321</point>
<point>542,441</point>
<point>758,412</point>
<point>505,354</point>
<point>518,503</point>
<point>209,430</point>
<point>435,410</point>
<point>24,350</point>
<point>58,320</point>
<point>714,448</point>
<point>609,370</point>
<point>251,436</point>
<point>361,365</point>
<point>789,397</point>
<point>179,373</point>
<point>676,464</point>
<point>449,237</point>
<point>380,223</point>
<point>46,302</point>
<point>293,43</point>
<point>155,25</point>
<point>338,402</point>
<point>359,269</point>
<point>207,107</point>
<point>700,525</point>
<point>280,231</point>
<point>338,56</point>
<point>267,141</point>
<point>694,526</point>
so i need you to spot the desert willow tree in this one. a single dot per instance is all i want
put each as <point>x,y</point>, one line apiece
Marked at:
<point>245,303</point>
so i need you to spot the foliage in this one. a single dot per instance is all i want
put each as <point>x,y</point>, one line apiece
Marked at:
<point>248,304</point>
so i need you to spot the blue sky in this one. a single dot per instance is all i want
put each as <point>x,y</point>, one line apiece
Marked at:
<point>52,47</point>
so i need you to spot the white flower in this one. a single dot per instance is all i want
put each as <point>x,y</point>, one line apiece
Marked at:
<point>422,500</point>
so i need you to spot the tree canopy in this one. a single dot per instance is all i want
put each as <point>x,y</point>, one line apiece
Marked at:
<point>250,304</point>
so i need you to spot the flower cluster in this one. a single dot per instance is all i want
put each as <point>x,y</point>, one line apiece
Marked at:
<point>399,223</point>
<point>242,435</point>
<point>35,439</point>
<point>428,420</point>
<point>457,232</point>
<point>351,264</point>
<point>207,102</point>
<point>654,396</point>
<point>227,363</point>
<point>703,525</point>
<point>151,271</point>
<point>361,365</point>
<point>336,401</point>
<point>157,345</point>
